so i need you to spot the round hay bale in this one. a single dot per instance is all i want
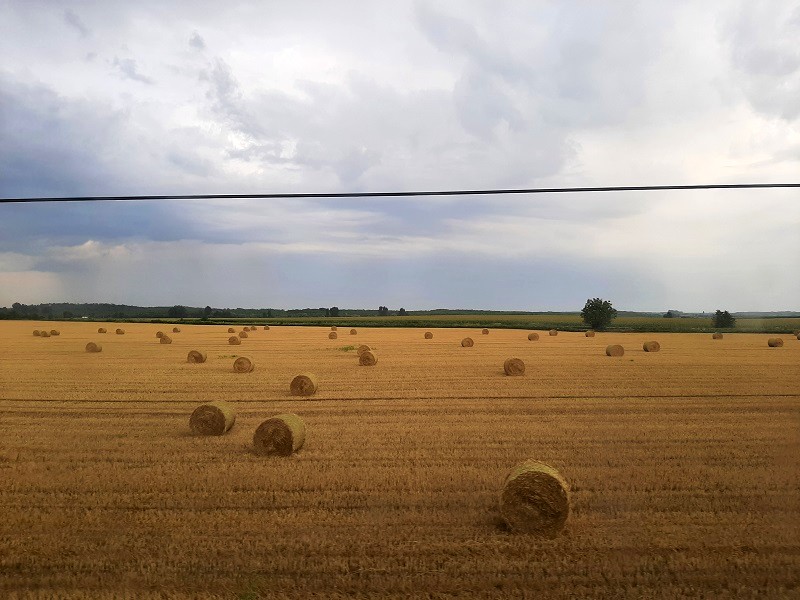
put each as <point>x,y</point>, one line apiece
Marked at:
<point>165,339</point>
<point>615,350</point>
<point>234,340</point>
<point>242,334</point>
<point>159,334</point>
<point>514,367</point>
<point>716,336</point>
<point>281,435</point>
<point>333,327</point>
<point>243,365</point>
<point>92,347</point>
<point>266,327</point>
<point>55,332</point>
<point>214,418</point>
<point>535,499</point>
<point>332,335</point>
<point>533,336</point>
<point>303,385</point>
<point>176,330</point>
<point>45,334</point>
<point>553,332</point>
<point>798,336</point>
<point>196,356</point>
<point>101,330</point>
<point>231,330</point>
<point>428,335</point>
<point>467,342</point>
<point>362,348</point>
<point>651,346</point>
<point>245,329</point>
<point>353,332</point>
<point>367,359</point>
<point>775,342</point>
<point>589,333</point>
<point>485,332</point>
<point>120,332</point>
<point>37,333</point>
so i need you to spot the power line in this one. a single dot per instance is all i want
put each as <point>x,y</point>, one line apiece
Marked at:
<point>499,192</point>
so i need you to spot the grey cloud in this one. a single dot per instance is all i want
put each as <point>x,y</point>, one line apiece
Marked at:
<point>197,42</point>
<point>75,21</point>
<point>129,69</point>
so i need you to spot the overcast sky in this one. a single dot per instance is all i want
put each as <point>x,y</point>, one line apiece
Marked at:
<point>154,97</point>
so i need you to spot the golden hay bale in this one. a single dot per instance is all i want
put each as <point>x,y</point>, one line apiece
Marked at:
<point>798,336</point>
<point>775,342</point>
<point>428,335</point>
<point>214,418</point>
<point>303,385</point>
<point>55,332</point>
<point>282,435</point>
<point>333,327</point>
<point>243,365</point>
<point>243,334</point>
<point>514,366</point>
<point>332,335</point>
<point>120,332</point>
<point>165,339</point>
<point>231,330</point>
<point>159,334</point>
<point>553,332</point>
<point>266,327</point>
<point>716,336</point>
<point>92,347</point>
<point>245,329</point>
<point>362,348</point>
<point>615,350</point>
<point>589,333</point>
<point>196,356</point>
<point>467,342</point>
<point>44,334</point>
<point>535,499</point>
<point>367,359</point>
<point>533,336</point>
<point>234,340</point>
<point>176,330</point>
<point>651,346</point>
<point>485,332</point>
<point>37,333</point>
<point>101,330</point>
<point>353,332</point>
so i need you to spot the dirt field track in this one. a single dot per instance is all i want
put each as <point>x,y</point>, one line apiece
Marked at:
<point>684,465</point>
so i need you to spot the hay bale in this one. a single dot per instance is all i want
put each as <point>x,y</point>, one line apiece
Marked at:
<point>589,333</point>
<point>243,365</point>
<point>234,340</point>
<point>716,336</point>
<point>362,348</point>
<point>242,334</point>
<point>245,329</point>
<point>45,334</point>
<point>101,330</point>
<point>485,332</point>
<point>428,335</point>
<point>367,359</point>
<point>775,342</point>
<point>176,330</point>
<point>615,350</point>
<point>214,418</point>
<point>332,335</point>
<point>514,367</point>
<point>282,435</point>
<point>37,333</point>
<point>92,347</point>
<point>333,327</point>
<point>266,327</point>
<point>231,330</point>
<point>651,346</point>
<point>120,332</point>
<point>798,336</point>
<point>553,332</point>
<point>533,336</point>
<point>165,339</point>
<point>535,499</point>
<point>196,356</point>
<point>353,332</point>
<point>55,332</point>
<point>159,334</point>
<point>303,385</point>
<point>467,342</point>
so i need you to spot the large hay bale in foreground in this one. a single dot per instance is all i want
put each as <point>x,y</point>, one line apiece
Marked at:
<point>243,365</point>
<point>367,359</point>
<point>535,499</point>
<point>37,333</point>
<point>428,335</point>
<point>485,332</point>
<point>176,330</point>
<point>533,336</point>
<point>651,346</point>
<point>553,332</point>
<point>101,330</point>
<point>467,342</point>
<point>281,435</point>
<point>589,333</point>
<point>332,335</point>
<point>234,340</point>
<point>362,348</point>
<point>196,356</point>
<point>120,331</point>
<point>775,342</point>
<point>353,332</point>
<point>159,334</point>
<point>55,332</point>
<point>615,350</point>
<point>231,330</point>
<point>243,334</point>
<point>165,339</point>
<point>45,334</point>
<point>214,418</point>
<point>92,347</point>
<point>514,366</point>
<point>716,336</point>
<point>303,385</point>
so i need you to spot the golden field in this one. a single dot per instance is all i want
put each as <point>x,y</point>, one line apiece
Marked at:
<point>684,465</point>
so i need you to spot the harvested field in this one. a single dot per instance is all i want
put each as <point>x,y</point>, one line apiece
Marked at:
<point>682,466</point>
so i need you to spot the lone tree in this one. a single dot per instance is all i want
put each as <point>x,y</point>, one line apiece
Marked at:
<point>723,319</point>
<point>598,313</point>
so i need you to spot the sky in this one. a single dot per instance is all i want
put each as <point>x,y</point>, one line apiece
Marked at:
<point>148,97</point>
